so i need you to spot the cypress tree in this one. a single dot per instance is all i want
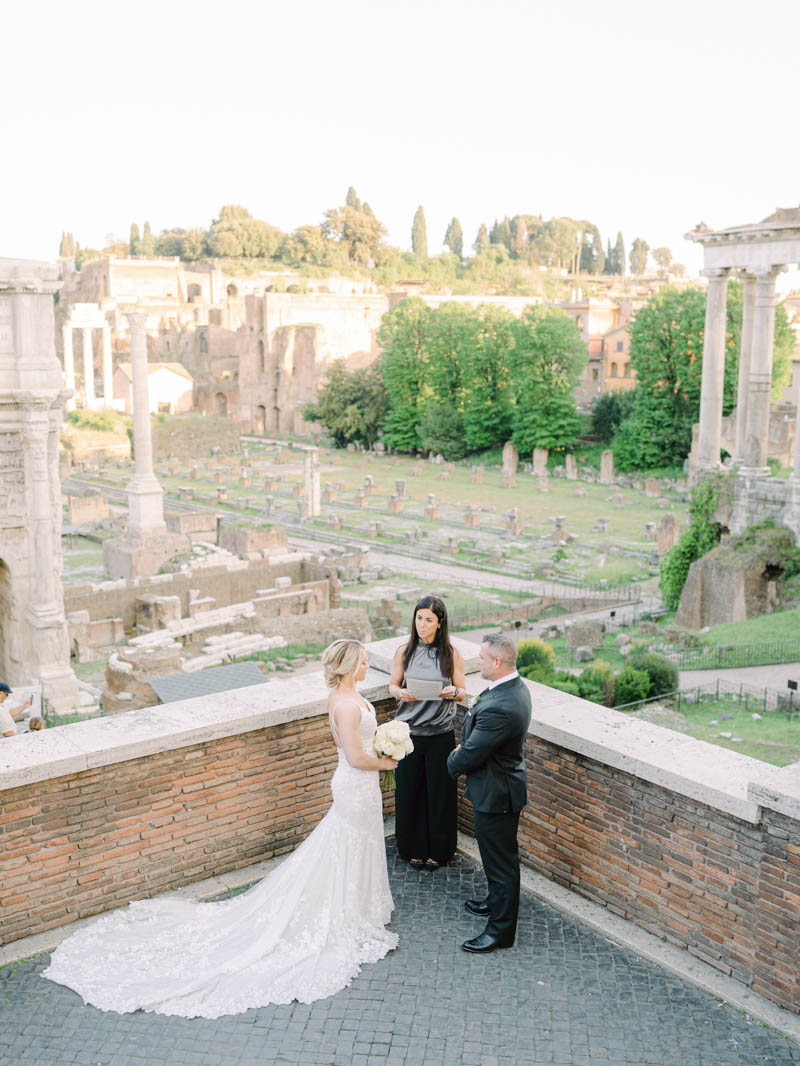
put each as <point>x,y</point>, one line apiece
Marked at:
<point>454,238</point>
<point>135,239</point>
<point>419,235</point>
<point>482,239</point>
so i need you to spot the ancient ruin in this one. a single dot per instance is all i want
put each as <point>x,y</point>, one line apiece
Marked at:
<point>756,253</point>
<point>33,636</point>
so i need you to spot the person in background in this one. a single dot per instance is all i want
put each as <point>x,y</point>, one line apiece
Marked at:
<point>35,724</point>
<point>8,715</point>
<point>426,795</point>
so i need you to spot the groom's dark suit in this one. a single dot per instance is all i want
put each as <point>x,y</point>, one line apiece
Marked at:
<point>492,756</point>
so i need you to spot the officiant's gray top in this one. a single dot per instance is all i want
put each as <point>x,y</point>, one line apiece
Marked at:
<point>426,718</point>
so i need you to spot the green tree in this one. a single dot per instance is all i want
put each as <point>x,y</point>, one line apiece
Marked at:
<point>609,412</point>
<point>662,258</point>
<point>619,255</point>
<point>135,240</point>
<point>358,233</point>
<point>638,260</point>
<point>667,355</point>
<point>352,199</point>
<point>147,245</point>
<point>557,242</point>
<point>351,404</point>
<point>486,376</point>
<point>419,235</point>
<point>546,364</point>
<point>403,336</point>
<point>593,257</point>
<point>194,245</point>
<point>441,430</point>
<point>236,234</point>
<point>67,246</point>
<point>171,242</point>
<point>454,238</point>
<point>481,240</point>
<point>500,233</point>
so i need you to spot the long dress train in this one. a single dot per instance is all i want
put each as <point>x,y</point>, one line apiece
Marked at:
<point>302,933</point>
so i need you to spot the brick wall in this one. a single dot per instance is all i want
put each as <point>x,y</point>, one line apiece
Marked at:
<point>723,889</point>
<point>75,845</point>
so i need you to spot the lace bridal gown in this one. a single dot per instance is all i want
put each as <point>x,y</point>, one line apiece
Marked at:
<point>302,933</point>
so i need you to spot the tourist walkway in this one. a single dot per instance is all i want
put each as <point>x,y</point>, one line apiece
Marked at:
<point>564,996</point>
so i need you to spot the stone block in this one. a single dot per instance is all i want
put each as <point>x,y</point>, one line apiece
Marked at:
<point>589,632</point>
<point>540,462</point>
<point>510,458</point>
<point>606,467</point>
<point>584,655</point>
<point>571,468</point>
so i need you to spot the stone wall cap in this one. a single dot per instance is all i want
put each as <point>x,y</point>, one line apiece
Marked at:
<point>778,789</point>
<point>381,652</point>
<point>723,780</point>
<point>660,756</point>
<point>70,749</point>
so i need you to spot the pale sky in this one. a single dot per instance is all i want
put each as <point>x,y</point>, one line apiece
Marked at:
<point>637,116</point>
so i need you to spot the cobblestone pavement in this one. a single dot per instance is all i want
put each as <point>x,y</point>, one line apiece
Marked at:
<point>563,997</point>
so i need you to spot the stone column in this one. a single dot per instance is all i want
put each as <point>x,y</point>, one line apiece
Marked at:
<point>108,384</point>
<point>69,363</point>
<point>713,370</point>
<point>756,435</point>
<point>88,369</point>
<point>45,612</point>
<point>145,497</point>
<point>743,391</point>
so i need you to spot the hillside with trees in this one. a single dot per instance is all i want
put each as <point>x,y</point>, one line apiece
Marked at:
<point>519,254</point>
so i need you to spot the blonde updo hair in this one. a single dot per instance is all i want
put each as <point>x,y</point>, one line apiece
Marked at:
<point>340,659</point>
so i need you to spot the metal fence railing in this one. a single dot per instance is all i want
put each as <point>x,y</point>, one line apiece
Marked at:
<point>705,657</point>
<point>750,697</point>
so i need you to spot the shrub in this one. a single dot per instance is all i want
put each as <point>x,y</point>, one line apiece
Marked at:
<point>536,653</point>
<point>565,682</point>
<point>701,536</point>
<point>631,686</point>
<point>662,673</point>
<point>596,683</point>
<point>99,420</point>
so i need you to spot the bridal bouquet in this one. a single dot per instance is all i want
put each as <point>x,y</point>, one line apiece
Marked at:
<point>393,740</point>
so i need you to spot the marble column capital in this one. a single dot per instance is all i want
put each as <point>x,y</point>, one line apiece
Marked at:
<point>716,273</point>
<point>766,274</point>
<point>137,320</point>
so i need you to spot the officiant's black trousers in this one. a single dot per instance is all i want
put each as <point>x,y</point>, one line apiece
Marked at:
<point>426,800</point>
<point>497,841</point>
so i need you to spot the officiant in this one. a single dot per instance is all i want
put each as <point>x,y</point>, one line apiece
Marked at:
<point>425,794</point>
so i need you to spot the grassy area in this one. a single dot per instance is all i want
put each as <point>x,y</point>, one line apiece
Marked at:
<point>783,625</point>
<point>774,739</point>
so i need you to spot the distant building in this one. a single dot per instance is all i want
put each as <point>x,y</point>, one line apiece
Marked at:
<point>618,374</point>
<point>170,386</point>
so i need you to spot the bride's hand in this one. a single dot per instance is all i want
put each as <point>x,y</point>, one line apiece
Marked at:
<point>387,763</point>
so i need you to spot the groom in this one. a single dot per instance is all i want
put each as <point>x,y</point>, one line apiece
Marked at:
<point>491,754</point>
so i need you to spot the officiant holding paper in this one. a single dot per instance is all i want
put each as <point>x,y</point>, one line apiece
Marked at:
<point>427,679</point>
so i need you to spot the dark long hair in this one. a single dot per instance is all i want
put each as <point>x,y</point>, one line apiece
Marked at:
<point>441,642</point>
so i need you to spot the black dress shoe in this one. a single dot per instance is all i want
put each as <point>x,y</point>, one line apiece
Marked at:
<point>483,944</point>
<point>477,906</point>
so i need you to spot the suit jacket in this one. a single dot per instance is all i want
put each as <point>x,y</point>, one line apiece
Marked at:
<point>492,749</point>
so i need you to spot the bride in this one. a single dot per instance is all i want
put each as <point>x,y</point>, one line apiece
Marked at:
<point>302,933</point>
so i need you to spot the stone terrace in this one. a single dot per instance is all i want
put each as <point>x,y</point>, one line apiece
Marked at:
<point>697,857</point>
<point>564,995</point>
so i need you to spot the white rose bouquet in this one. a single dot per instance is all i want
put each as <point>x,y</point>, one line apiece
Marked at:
<point>393,740</point>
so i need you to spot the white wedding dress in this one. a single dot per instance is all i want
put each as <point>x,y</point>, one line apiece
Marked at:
<point>302,933</point>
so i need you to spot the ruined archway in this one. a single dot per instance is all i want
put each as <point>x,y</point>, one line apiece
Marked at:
<point>221,403</point>
<point>261,420</point>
